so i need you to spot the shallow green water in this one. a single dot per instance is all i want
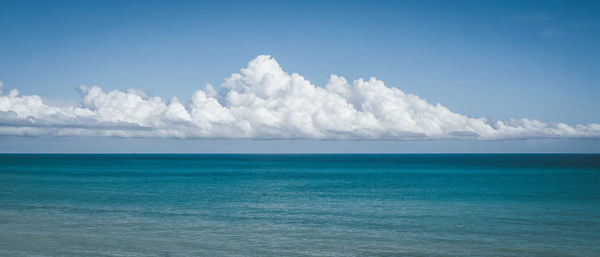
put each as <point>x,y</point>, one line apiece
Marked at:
<point>300,205</point>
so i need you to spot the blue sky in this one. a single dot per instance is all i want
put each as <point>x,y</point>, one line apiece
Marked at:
<point>498,60</point>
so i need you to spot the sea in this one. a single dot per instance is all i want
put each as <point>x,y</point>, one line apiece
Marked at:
<point>300,205</point>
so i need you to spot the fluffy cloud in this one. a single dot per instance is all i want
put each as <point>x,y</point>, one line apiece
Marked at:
<point>265,102</point>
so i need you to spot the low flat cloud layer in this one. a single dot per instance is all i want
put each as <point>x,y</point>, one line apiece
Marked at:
<point>265,102</point>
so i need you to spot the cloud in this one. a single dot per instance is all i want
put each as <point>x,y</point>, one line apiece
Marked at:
<point>264,102</point>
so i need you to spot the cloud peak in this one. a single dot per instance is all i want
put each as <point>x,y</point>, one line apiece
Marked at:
<point>263,101</point>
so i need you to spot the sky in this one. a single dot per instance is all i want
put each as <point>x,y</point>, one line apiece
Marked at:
<point>449,76</point>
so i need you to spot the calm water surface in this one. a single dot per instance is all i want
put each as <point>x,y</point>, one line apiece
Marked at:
<point>300,205</point>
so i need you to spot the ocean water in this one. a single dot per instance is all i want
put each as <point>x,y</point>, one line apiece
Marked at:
<point>300,205</point>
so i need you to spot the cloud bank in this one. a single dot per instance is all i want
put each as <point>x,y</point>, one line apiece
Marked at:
<point>264,102</point>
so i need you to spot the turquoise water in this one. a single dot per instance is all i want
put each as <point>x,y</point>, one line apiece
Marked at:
<point>300,205</point>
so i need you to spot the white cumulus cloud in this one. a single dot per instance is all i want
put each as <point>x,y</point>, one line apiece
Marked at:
<point>264,102</point>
